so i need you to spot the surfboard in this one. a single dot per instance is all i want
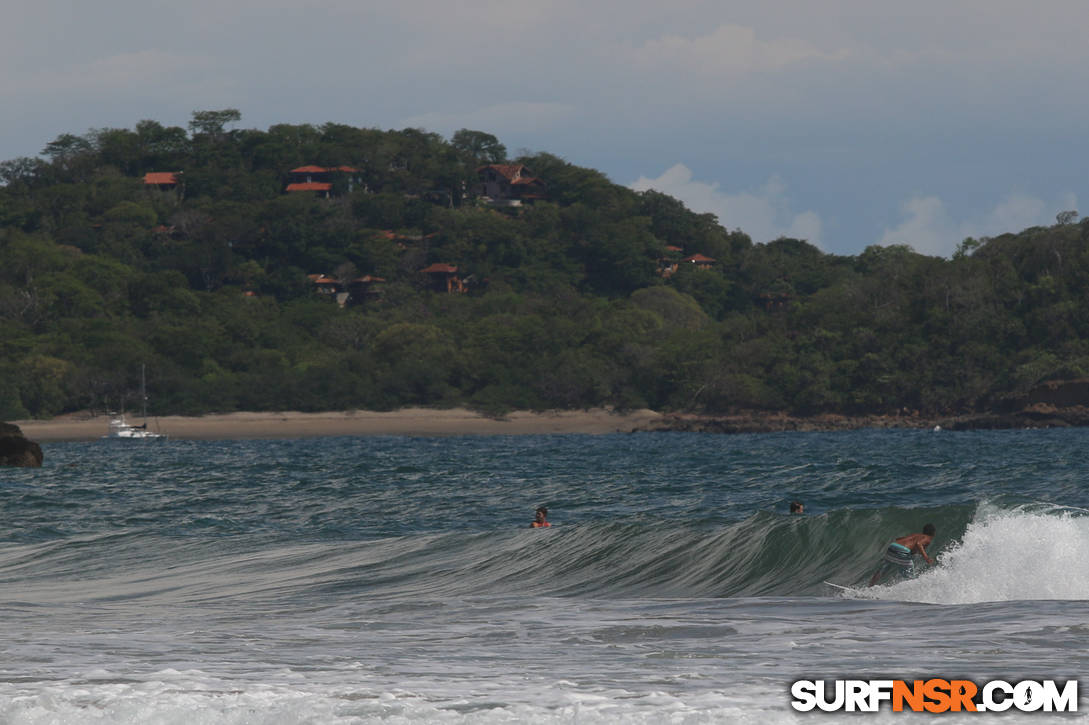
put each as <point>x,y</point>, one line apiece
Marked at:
<point>841,587</point>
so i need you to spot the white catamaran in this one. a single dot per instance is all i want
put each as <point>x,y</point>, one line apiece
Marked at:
<point>121,428</point>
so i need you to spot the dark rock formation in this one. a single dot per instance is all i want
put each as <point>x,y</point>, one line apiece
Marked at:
<point>16,450</point>
<point>775,422</point>
<point>1060,393</point>
<point>1036,415</point>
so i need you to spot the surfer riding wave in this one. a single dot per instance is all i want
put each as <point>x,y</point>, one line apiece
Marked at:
<point>899,556</point>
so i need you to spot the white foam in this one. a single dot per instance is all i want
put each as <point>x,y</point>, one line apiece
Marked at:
<point>161,703</point>
<point>1007,555</point>
<point>170,702</point>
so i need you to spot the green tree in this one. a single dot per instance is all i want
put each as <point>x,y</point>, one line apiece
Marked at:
<point>417,364</point>
<point>42,384</point>
<point>212,123</point>
<point>479,146</point>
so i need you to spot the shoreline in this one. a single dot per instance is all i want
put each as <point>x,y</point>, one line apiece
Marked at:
<point>421,422</point>
<point>427,422</point>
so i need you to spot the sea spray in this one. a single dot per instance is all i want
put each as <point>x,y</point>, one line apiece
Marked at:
<point>1005,555</point>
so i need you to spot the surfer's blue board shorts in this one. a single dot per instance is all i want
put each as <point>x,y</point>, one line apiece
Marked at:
<point>898,559</point>
<point>900,555</point>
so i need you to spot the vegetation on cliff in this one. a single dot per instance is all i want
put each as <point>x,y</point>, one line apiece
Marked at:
<point>183,250</point>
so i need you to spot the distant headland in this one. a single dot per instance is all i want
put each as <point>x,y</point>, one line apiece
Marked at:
<point>333,267</point>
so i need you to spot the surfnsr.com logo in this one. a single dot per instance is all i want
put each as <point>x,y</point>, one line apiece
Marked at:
<point>934,695</point>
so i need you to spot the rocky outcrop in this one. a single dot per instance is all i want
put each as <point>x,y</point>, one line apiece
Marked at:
<point>775,422</point>
<point>1038,415</point>
<point>16,450</point>
<point>1060,393</point>
<point>1053,404</point>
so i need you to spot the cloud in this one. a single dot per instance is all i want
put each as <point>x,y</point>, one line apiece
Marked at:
<point>730,49</point>
<point>763,214</point>
<point>116,73</point>
<point>495,118</point>
<point>929,228</point>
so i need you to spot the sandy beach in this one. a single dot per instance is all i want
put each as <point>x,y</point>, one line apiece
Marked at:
<point>407,422</point>
<point>426,422</point>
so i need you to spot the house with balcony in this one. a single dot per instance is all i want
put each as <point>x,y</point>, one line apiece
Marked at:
<point>670,263</point>
<point>324,284</point>
<point>509,185</point>
<point>367,288</point>
<point>443,278</point>
<point>319,180</point>
<point>162,180</point>
<point>700,261</point>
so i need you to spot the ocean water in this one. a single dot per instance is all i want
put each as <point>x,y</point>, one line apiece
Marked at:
<point>396,580</point>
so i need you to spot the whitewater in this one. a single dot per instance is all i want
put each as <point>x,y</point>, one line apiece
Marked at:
<point>396,579</point>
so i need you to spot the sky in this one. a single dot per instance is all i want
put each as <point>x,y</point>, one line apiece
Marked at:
<point>846,123</point>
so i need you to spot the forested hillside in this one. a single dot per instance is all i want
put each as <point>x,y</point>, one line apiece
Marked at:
<point>333,267</point>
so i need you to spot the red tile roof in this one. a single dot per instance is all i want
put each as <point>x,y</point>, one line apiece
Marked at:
<point>312,169</point>
<point>439,267</point>
<point>322,279</point>
<point>160,177</point>
<point>508,171</point>
<point>310,186</point>
<point>699,259</point>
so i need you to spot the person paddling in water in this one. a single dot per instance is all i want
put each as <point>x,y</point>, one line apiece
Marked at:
<point>899,556</point>
<point>540,520</point>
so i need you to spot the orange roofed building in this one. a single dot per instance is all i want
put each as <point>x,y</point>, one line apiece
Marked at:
<point>444,277</point>
<point>700,261</point>
<point>668,265</point>
<point>365,289</point>
<point>324,284</point>
<point>509,184</point>
<point>319,179</point>
<point>164,180</point>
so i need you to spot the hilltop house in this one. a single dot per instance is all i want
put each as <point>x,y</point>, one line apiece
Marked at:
<point>509,185</point>
<point>319,179</point>
<point>165,180</point>
<point>444,277</point>
<point>669,264</point>
<point>162,180</point>
<point>355,292</point>
<point>364,289</point>
<point>700,261</point>
<point>323,284</point>
<point>329,287</point>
